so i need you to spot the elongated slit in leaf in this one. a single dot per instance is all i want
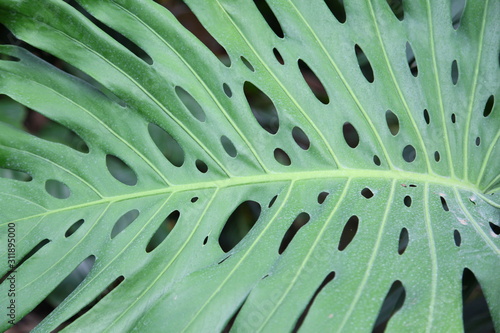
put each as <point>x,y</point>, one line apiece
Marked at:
<point>15,174</point>
<point>163,230</point>
<point>392,121</point>
<point>57,189</point>
<point>350,230</point>
<point>411,59</point>
<point>322,197</point>
<point>191,104</point>
<point>278,56</point>
<point>314,83</point>
<point>167,145</point>
<point>404,239</point>
<point>455,74</point>
<point>300,221</point>
<point>124,221</point>
<point>120,170</point>
<point>393,301</point>
<point>364,64</point>
<point>351,135</point>
<point>269,16</point>
<point>282,157</point>
<point>457,238</point>
<point>476,313</point>
<point>239,223</point>
<point>397,8</point>
<point>336,7</point>
<point>457,8</point>
<point>73,228</point>
<point>300,138</point>
<point>228,146</point>
<point>262,108</point>
<point>30,254</point>
<point>488,107</point>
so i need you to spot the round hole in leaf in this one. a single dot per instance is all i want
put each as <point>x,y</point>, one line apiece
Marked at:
<point>278,56</point>
<point>376,160</point>
<point>273,200</point>
<point>350,230</point>
<point>322,197</point>
<point>351,136</point>
<point>201,166</point>
<point>163,230</point>
<point>454,72</point>
<point>364,64</point>
<point>478,141</point>
<point>228,146</point>
<point>437,156</point>
<point>409,153</point>
<point>120,170</point>
<point>337,9</point>
<point>191,104</point>
<point>74,227</point>
<point>282,157</point>
<point>300,138</point>
<point>407,201</point>
<point>367,193</point>
<point>403,241</point>
<point>488,107</point>
<point>227,90</point>
<point>262,108</point>
<point>412,61</point>
<point>247,63</point>
<point>298,223</point>
<point>167,145</point>
<point>457,237</point>
<point>124,221</point>
<point>392,122</point>
<point>314,83</point>
<point>239,223</point>
<point>427,118</point>
<point>57,189</point>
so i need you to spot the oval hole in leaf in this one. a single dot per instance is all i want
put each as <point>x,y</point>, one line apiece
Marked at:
<point>205,241</point>
<point>124,221</point>
<point>56,132</point>
<point>194,199</point>
<point>262,108</point>
<point>168,146</point>
<point>8,57</point>
<point>71,230</point>
<point>407,201</point>
<point>392,122</point>
<point>300,320</point>
<point>454,72</point>
<point>427,117</point>
<point>282,157</point>
<point>412,61</point>
<point>239,224</point>
<point>350,230</point>
<point>313,82</point>
<point>273,200</point>
<point>457,237</point>
<point>298,223</point>
<point>31,253</point>
<point>191,104</point>
<point>456,10</point>
<point>322,197</point>
<point>278,56</point>
<point>393,301</point>
<point>478,141</point>
<point>437,156</point>
<point>120,170</point>
<point>301,138</point>
<point>474,302</point>
<point>350,135</point>
<point>201,166</point>
<point>444,204</point>
<point>409,153</point>
<point>495,228</point>
<point>488,107</point>
<point>376,160</point>
<point>15,174</point>
<point>247,63</point>
<point>367,193</point>
<point>337,9</point>
<point>364,64</point>
<point>403,241</point>
<point>163,230</point>
<point>228,146</point>
<point>397,8</point>
<point>57,189</point>
<point>227,90</point>
<point>269,16</point>
<point>453,118</point>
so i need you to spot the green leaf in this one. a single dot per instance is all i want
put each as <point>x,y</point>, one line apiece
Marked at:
<point>349,207</point>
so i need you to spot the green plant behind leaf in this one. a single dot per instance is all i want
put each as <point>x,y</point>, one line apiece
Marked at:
<point>369,205</point>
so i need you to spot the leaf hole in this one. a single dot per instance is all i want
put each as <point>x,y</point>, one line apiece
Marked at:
<point>57,189</point>
<point>478,141</point>
<point>350,230</point>
<point>412,185</point>
<point>392,303</point>
<point>194,199</point>
<point>301,138</point>
<point>167,145</point>
<point>444,204</point>
<point>15,175</point>
<point>367,193</point>
<point>392,122</point>
<point>351,136</point>
<point>298,223</point>
<point>191,104</point>
<point>364,64</point>
<point>282,157</point>
<point>457,8</point>
<point>73,228</point>
<point>376,160</point>
<point>227,90</point>
<point>453,118</point>
<point>124,221</point>
<point>437,156</point>
<point>397,8</point>
<point>409,153</point>
<point>269,16</point>
<point>454,72</point>
<point>427,118</point>
<point>407,201</point>
<point>472,201</point>
<point>495,228</point>
<point>322,197</point>
<point>412,61</point>
<point>457,237</point>
<point>474,303</point>
<point>262,108</point>
<point>278,56</point>
<point>247,63</point>
<point>8,57</point>
<point>163,230</point>
<point>120,170</point>
<point>228,146</point>
<point>30,254</point>
<point>488,107</point>
<point>205,241</point>
<point>404,239</point>
<point>337,9</point>
<point>225,258</point>
<point>273,200</point>
<point>201,166</point>
<point>302,317</point>
<point>313,82</point>
<point>239,223</point>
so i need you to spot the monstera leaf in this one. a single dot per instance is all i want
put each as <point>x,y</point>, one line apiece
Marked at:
<point>340,171</point>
